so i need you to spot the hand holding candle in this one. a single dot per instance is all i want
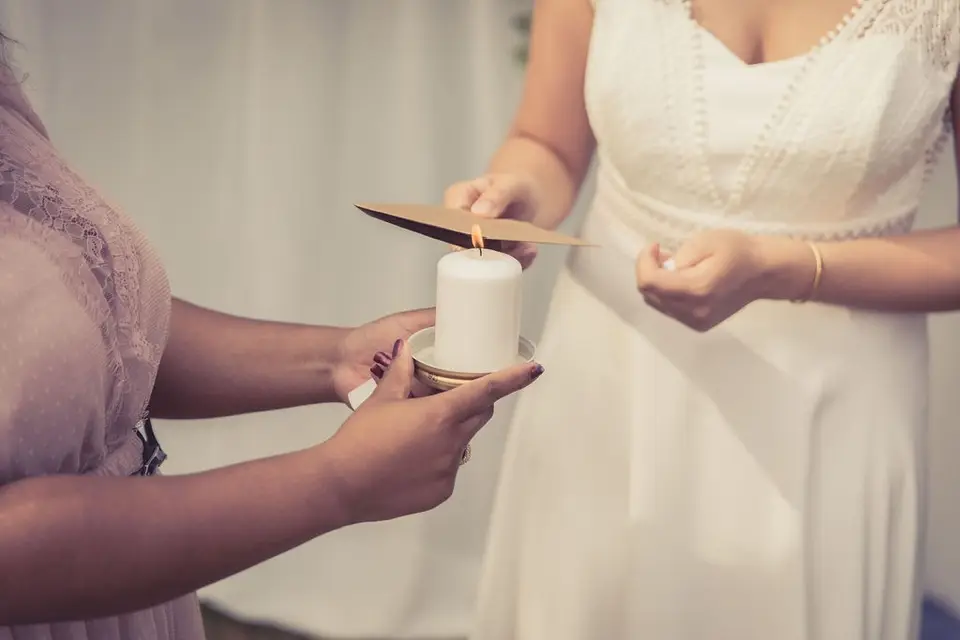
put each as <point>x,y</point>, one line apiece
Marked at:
<point>477,328</point>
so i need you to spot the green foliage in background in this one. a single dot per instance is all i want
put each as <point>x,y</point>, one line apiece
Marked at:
<point>521,22</point>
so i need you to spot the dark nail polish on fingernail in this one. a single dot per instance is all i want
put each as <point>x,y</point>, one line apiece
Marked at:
<point>382,359</point>
<point>376,371</point>
<point>396,347</point>
<point>537,371</point>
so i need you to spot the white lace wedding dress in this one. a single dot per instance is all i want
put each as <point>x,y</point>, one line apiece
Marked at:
<point>764,480</point>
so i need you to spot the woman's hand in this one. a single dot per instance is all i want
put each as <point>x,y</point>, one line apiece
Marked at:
<point>356,361</point>
<point>399,455</point>
<point>502,195</point>
<point>717,273</point>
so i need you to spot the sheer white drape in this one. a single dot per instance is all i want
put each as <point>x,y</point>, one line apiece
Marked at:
<point>238,133</point>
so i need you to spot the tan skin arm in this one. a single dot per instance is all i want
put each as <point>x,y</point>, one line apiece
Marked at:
<point>217,365</point>
<point>85,547</point>
<point>918,272</point>
<point>551,140</point>
<point>80,547</point>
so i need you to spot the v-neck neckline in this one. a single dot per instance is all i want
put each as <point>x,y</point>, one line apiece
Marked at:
<point>827,39</point>
<point>798,67</point>
<point>759,66</point>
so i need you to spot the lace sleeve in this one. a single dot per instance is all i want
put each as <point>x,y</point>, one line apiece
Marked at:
<point>55,375</point>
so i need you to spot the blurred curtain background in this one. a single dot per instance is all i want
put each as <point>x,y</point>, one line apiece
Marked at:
<point>238,133</point>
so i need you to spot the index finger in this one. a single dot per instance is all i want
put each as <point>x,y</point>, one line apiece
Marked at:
<point>475,396</point>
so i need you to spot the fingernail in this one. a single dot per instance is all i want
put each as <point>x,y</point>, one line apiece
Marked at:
<point>482,207</point>
<point>376,371</point>
<point>396,347</point>
<point>536,372</point>
<point>382,358</point>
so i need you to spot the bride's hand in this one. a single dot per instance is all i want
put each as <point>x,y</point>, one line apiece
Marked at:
<point>713,275</point>
<point>499,195</point>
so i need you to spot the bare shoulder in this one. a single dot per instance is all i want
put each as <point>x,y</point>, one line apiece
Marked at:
<point>553,110</point>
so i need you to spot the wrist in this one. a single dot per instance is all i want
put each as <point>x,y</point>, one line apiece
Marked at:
<point>330,494</point>
<point>788,268</point>
<point>328,361</point>
<point>341,374</point>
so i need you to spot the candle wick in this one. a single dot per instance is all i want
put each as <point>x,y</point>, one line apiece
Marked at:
<point>481,251</point>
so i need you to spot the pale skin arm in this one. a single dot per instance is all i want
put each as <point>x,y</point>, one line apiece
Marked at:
<point>551,140</point>
<point>217,365</point>
<point>919,272</point>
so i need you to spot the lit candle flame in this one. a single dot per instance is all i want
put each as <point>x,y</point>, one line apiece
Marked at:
<point>476,237</point>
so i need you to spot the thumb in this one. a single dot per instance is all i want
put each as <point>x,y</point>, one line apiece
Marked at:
<point>417,319</point>
<point>479,395</point>
<point>691,253</point>
<point>495,199</point>
<point>397,380</point>
<point>648,268</point>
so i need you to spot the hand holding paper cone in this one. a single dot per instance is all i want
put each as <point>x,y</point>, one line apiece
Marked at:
<point>505,196</point>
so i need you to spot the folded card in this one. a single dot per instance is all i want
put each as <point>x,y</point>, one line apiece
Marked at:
<point>454,226</point>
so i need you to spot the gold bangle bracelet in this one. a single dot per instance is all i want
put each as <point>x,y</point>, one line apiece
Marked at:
<point>817,276</point>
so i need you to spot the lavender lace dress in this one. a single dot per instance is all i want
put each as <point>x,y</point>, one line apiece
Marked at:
<point>84,314</point>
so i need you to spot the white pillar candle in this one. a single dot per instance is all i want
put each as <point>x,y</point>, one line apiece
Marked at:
<point>478,311</point>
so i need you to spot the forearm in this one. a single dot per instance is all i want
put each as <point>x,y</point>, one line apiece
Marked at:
<point>557,183</point>
<point>918,272</point>
<point>82,547</point>
<point>219,365</point>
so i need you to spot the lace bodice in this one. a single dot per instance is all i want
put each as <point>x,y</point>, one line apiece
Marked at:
<point>84,312</point>
<point>830,144</point>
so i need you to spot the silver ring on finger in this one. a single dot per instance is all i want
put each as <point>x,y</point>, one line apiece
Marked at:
<point>465,455</point>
